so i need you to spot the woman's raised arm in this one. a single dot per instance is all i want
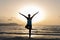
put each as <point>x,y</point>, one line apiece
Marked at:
<point>23,15</point>
<point>34,14</point>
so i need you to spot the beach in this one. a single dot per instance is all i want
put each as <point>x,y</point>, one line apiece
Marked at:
<point>25,38</point>
<point>50,32</point>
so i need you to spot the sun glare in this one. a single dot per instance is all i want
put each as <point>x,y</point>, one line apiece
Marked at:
<point>31,10</point>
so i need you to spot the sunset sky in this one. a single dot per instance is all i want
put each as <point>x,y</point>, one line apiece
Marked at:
<point>49,8</point>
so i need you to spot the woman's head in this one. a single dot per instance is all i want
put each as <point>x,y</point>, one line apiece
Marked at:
<point>29,15</point>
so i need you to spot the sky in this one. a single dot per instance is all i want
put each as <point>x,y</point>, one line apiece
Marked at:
<point>9,8</point>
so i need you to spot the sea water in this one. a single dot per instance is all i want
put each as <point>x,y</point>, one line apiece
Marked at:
<point>43,31</point>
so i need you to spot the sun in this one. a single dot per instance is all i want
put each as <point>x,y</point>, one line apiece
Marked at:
<point>31,10</point>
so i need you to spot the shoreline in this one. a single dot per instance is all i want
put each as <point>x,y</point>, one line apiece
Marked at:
<point>26,38</point>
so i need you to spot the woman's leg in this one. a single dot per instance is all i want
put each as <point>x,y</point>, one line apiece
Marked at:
<point>27,26</point>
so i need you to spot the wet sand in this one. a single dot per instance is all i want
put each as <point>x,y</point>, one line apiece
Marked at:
<point>26,38</point>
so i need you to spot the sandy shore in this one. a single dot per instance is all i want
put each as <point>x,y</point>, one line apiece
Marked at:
<point>25,38</point>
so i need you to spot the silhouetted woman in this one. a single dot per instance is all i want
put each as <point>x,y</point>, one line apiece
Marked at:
<point>29,20</point>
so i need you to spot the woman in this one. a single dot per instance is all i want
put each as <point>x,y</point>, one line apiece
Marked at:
<point>29,20</point>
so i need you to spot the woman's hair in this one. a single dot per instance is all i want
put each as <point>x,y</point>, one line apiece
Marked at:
<point>28,14</point>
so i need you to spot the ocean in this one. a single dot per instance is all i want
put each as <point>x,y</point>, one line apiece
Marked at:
<point>43,31</point>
